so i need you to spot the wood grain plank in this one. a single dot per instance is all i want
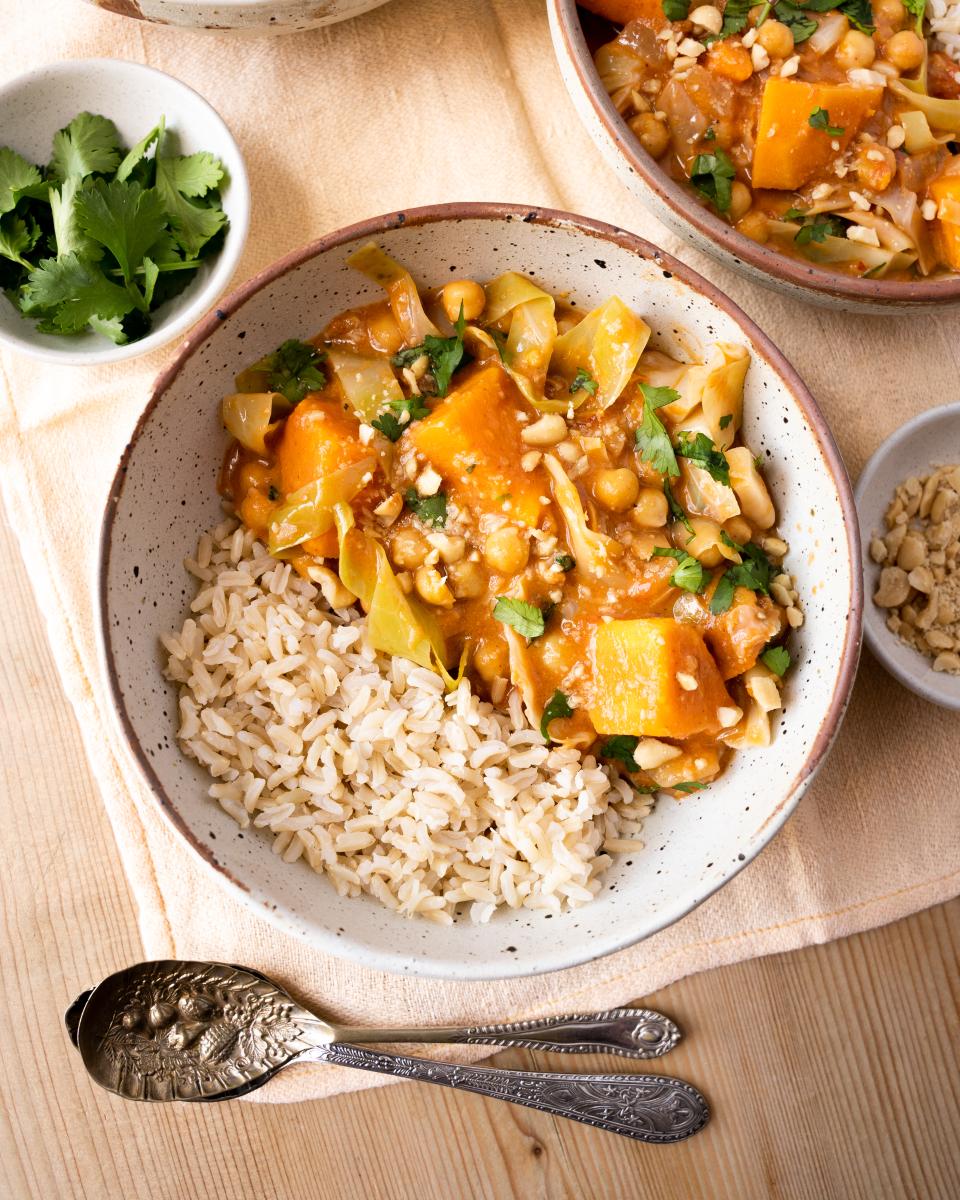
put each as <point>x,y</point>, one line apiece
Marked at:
<point>832,1071</point>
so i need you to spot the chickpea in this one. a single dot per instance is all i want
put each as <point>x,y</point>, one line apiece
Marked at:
<point>741,200</point>
<point>650,511</point>
<point>755,226</point>
<point>466,579</point>
<point>616,489</point>
<point>905,50</point>
<point>256,510</point>
<point>466,292</point>
<point>491,659</point>
<point>890,12</point>
<point>432,587</point>
<point>652,133</point>
<point>408,549</point>
<point>384,333</point>
<point>856,49</point>
<point>776,38</point>
<point>507,550</point>
<point>253,475</point>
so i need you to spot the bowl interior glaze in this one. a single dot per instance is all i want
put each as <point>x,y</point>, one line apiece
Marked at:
<point>165,496</point>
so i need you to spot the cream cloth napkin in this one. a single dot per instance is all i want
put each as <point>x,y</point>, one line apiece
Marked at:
<point>422,101</point>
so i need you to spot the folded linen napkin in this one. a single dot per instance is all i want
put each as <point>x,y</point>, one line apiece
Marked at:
<point>421,101</point>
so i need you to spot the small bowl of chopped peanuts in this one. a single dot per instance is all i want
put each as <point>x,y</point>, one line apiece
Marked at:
<point>908,499</point>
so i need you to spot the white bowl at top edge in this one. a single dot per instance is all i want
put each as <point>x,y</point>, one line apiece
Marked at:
<point>678,208</point>
<point>164,496</point>
<point>929,440</point>
<point>250,16</point>
<point>34,106</point>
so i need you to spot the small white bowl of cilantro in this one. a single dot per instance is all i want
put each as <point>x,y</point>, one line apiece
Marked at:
<point>124,207</point>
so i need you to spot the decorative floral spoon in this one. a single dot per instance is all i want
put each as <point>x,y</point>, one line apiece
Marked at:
<point>202,1031</point>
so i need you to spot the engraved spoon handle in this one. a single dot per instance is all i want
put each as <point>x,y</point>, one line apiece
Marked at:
<point>649,1108</point>
<point>630,1032</point>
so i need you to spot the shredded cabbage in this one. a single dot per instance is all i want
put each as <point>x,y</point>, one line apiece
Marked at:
<point>919,136</point>
<point>723,392</point>
<point>309,511</point>
<point>592,550</point>
<point>533,333</point>
<point>368,383</point>
<point>941,114</point>
<point>405,302</point>
<point>706,496</point>
<point>877,260</point>
<point>248,416</point>
<point>607,344</point>
<point>507,292</point>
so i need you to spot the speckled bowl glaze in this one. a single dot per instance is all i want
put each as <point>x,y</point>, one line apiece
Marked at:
<point>679,209</point>
<point>252,16</point>
<point>930,440</point>
<point>164,496</point>
<point>34,106</point>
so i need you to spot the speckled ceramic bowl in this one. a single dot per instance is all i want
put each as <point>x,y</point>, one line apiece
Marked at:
<point>164,495</point>
<point>930,440</point>
<point>34,106</point>
<point>252,16</point>
<point>679,209</point>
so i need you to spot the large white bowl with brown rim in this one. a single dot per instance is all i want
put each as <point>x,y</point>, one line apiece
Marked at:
<point>251,16</point>
<point>679,209</point>
<point>164,495</point>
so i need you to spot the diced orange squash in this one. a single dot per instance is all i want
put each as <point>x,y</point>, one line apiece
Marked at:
<point>472,439</point>
<point>788,150</point>
<point>639,668</point>
<point>737,637</point>
<point>622,11</point>
<point>946,192</point>
<point>729,60</point>
<point>319,437</point>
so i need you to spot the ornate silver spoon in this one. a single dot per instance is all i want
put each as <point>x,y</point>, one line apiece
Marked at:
<point>209,1031</point>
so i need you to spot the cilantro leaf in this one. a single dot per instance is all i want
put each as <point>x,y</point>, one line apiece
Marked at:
<point>194,174</point>
<point>690,785</point>
<point>722,596</point>
<point>138,153</point>
<point>445,355</point>
<point>819,229</point>
<point>15,175</point>
<point>69,291</point>
<point>193,225</point>
<point>796,20</point>
<point>820,119</point>
<point>858,12</point>
<point>621,748</point>
<point>676,512</point>
<point>520,615</point>
<point>67,233</point>
<point>294,369</point>
<point>725,420</point>
<point>675,10</point>
<point>556,707</point>
<point>18,236</point>
<point>753,573</point>
<point>123,217</point>
<point>652,439</point>
<point>432,510</point>
<point>689,575</point>
<point>776,658</point>
<point>712,175</point>
<point>566,562</point>
<point>90,144</point>
<point>735,16</point>
<point>700,449</point>
<point>583,381</point>
<point>918,9</point>
<point>392,426</point>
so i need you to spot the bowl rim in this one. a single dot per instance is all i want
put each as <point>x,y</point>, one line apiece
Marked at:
<point>877,636</point>
<point>389,960</point>
<point>684,207</point>
<point>223,266</point>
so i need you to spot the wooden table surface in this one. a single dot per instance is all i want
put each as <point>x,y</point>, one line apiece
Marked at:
<point>833,1071</point>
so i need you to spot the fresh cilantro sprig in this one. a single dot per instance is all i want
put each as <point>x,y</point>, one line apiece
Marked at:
<point>293,370</point>
<point>820,119</point>
<point>432,510</point>
<point>99,237</point>
<point>676,10</point>
<point>690,575</point>
<point>583,381</point>
<point>858,12</point>
<point>526,618</point>
<point>753,572</point>
<point>712,175</point>
<point>621,748</point>
<point>918,9</point>
<point>444,355</point>
<point>699,448</point>
<point>651,438</point>
<point>819,228</point>
<point>689,785</point>
<point>405,411</point>
<point>556,707</point>
<point>796,20</point>
<point>735,16</point>
<point>777,659</point>
<point>566,562</point>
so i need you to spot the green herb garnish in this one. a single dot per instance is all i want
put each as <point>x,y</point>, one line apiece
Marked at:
<point>819,229</point>
<point>725,420</point>
<point>676,512</point>
<point>858,12</point>
<point>689,575</point>
<point>621,748</point>
<point>753,573</point>
<point>431,510</point>
<point>690,785</point>
<point>820,119</point>
<point>796,20</point>
<point>405,411</point>
<point>556,707</point>
<point>445,355</point>
<point>700,449</point>
<point>712,175</point>
<point>776,658</point>
<point>566,562</point>
<point>918,9</point>
<point>583,381</point>
<point>652,439</point>
<point>676,10</point>
<point>293,370</point>
<point>520,615</point>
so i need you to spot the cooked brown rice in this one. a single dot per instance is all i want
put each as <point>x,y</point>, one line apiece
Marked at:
<point>360,764</point>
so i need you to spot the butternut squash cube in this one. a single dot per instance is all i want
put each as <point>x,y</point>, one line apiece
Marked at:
<point>788,150</point>
<point>737,637</point>
<point>472,439</point>
<point>946,192</point>
<point>642,675</point>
